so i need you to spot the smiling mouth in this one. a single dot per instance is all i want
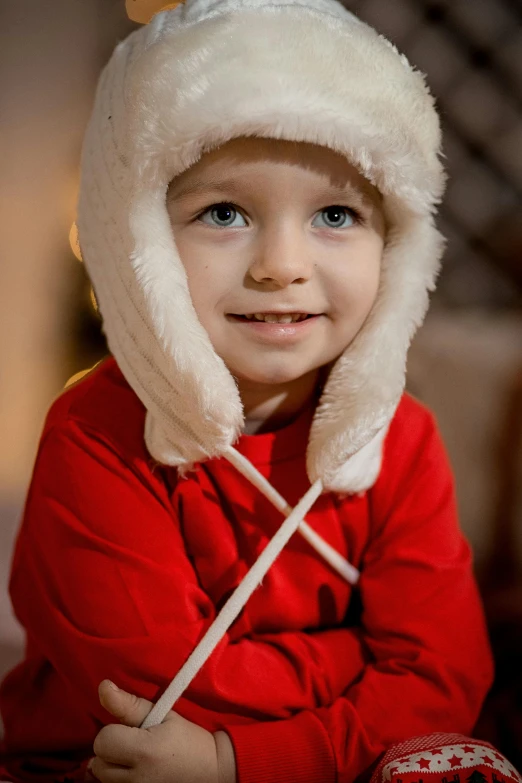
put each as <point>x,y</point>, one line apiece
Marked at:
<point>274,318</point>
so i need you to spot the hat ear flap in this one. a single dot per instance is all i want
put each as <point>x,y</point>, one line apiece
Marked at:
<point>142,11</point>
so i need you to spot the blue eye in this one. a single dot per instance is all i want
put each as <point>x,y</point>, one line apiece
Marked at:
<point>337,217</point>
<point>222,215</point>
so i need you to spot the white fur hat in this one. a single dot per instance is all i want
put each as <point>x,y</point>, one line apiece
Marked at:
<point>195,77</point>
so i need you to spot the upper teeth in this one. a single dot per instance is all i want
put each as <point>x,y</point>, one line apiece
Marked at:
<point>287,318</point>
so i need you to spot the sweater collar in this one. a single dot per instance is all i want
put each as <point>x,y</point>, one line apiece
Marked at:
<point>280,445</point>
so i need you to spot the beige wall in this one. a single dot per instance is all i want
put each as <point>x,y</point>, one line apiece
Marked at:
<point>50,57</point>
<point>51,52</point>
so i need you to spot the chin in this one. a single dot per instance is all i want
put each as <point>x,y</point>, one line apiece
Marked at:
<point>277,375</point>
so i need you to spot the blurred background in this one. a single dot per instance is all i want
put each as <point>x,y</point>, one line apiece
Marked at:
<point>466,362</point>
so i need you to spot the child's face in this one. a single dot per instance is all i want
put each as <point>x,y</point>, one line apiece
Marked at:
<point>278,245</point>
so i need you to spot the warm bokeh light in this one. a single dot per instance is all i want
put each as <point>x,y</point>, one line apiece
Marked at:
<point>79,375</point>
<point>76,377</point>
<point>142,11</point>
<point>73,241</point>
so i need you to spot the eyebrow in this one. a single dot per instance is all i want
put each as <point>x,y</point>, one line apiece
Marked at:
<point>198,186</point>
<point>359,195</point>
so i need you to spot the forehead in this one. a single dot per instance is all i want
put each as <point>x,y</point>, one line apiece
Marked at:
<point>241,158</point>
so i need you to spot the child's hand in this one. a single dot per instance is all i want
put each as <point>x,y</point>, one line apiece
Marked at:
<point>176,751</point>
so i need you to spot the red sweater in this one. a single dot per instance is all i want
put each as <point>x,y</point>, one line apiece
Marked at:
<point>120,567</point>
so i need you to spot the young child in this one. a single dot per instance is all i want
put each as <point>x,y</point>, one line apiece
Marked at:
<point>256,214</point>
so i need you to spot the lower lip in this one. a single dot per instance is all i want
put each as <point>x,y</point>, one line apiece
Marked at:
<point>278,332</point>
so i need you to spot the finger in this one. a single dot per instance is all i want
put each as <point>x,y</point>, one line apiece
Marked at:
<point>128,708</point>
<point>109,773</point>
<point>122,745</point>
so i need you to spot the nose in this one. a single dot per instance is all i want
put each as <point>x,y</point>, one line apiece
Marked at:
<point>282,257</point>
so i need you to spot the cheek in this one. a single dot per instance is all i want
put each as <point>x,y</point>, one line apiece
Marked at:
<point>206,295</point>
<point>206,277</point>
<point>356,287</point>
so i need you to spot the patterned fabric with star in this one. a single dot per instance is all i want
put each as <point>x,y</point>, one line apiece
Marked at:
<point>444,758</point>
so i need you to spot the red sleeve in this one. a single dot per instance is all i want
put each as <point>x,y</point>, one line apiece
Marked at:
<point>102,580</point>
<point>422,620</point>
